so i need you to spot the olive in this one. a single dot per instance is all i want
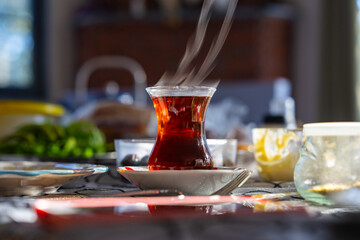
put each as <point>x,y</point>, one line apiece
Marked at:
<point>130,160</point>
<point>144,160</point>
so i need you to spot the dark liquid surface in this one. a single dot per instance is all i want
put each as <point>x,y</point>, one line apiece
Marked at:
<point>180,141</point>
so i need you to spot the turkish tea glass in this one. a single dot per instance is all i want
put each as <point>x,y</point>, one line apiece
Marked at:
<point>180,141</point>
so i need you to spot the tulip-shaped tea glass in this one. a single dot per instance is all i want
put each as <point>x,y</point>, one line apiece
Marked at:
<point>180,140</point>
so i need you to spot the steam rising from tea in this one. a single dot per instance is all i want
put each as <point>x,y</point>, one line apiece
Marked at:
<point>189,74</point>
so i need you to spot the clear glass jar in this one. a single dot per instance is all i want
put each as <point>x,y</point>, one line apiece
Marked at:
<point>329,160</point>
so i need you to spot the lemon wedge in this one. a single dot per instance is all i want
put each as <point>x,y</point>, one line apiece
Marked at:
<point>276,153</point>
<point>30,107</point>
<point>278,145</point>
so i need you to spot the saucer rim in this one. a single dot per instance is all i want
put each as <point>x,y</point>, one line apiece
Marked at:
<point>145,169</point>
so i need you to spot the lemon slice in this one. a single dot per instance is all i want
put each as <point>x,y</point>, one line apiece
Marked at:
<point>30,107</point>
<point>279,143</point>
<point>276,153</point>
<point>329,188</point>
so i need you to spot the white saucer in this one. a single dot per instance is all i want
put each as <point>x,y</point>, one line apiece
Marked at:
<point>188,182</point>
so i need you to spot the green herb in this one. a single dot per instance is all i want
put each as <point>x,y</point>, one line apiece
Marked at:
<point>79,139</point>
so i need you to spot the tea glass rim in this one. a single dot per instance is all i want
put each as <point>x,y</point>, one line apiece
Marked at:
<point>205,91</point>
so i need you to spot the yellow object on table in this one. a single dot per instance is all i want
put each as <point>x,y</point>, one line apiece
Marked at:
<point>15,113</point>
<point>276,152</point>
<point>30,107</point>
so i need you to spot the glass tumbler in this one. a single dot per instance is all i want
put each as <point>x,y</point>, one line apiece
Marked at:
<point>180,141</point>
<point>329,161</point>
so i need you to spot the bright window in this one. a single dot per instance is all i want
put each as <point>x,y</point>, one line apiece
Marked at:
<point>16,44</point>
<point>21,49</point>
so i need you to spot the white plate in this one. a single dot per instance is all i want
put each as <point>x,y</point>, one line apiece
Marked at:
<point>188,182</point>
<point>36,178</point>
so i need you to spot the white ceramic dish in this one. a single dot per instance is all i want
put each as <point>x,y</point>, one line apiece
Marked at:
<point>188,182</point>
<point>36,178</point>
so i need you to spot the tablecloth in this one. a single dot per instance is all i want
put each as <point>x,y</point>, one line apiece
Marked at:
<point>19,221</point>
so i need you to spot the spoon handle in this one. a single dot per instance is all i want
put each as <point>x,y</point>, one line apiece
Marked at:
<point>148,193</point>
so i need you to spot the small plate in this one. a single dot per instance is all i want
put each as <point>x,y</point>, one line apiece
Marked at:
<point>188,182</point>
<point>36,178</point>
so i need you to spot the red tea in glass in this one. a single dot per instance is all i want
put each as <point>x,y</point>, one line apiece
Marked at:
<point>180,141</point>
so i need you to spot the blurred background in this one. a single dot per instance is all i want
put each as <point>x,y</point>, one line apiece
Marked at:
<point>72,52</point>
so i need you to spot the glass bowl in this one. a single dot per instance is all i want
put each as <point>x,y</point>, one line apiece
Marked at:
<point>136,152</point>
<point>329,161</point>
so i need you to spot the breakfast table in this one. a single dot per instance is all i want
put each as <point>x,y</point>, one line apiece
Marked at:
<point>279,212</point>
